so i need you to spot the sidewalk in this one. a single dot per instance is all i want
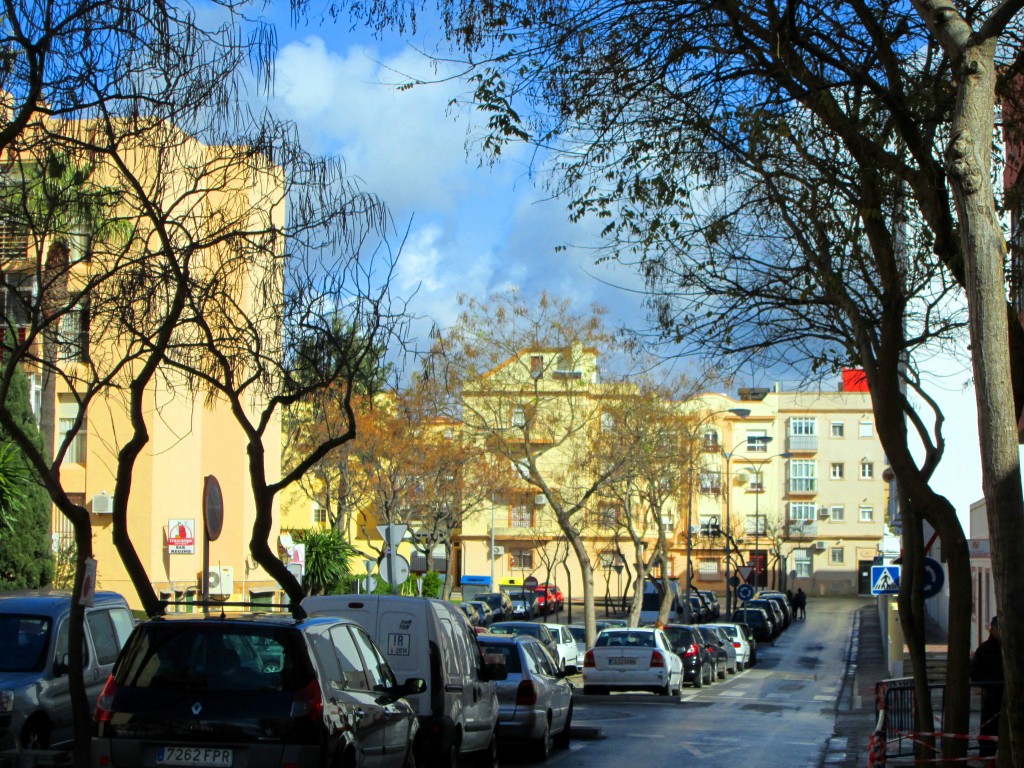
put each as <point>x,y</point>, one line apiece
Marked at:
<point>855,708</point>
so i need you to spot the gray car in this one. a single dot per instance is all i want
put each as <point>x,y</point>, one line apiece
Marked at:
<point>35,698</point>
<point>535,703</point>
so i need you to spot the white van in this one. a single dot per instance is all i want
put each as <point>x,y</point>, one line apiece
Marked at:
<point>650,604</point>
<point>431,639</point>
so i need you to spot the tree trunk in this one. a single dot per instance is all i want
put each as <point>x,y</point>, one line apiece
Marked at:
<point>81,707</point>
<point>969,161</point>
<point>912,620</point>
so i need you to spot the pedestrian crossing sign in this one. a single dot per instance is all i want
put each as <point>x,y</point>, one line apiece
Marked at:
<point>885,579</point>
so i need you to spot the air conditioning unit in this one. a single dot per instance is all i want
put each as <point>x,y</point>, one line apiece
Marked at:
<point>742,477</point>
<point>540,500</point>
<point>823,513</point>
<point>498,551</point>
<point>821,546</point>
<point>221,580</point>
<point>102,504</point>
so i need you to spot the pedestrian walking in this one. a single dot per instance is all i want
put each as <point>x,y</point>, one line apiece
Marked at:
<point>800,603</point>
<point>987,669</point>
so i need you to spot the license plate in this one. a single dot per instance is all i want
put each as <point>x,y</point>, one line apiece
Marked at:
<point>211,756</point>
<point>622,662</point>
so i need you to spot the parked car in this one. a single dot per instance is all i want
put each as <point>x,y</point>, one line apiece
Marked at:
<point>535,701</point>
<point>748,634</point>
<point>430,639</point>
<point>772,609</point>
<point>569,654</point>
<point>712,601</point>
<point>636,659</point>
<point>782,602</point>
<point>554,589</point>
<point>698,663</point>
<point>546,600</point>
<point>699,611</point>
<point>486,614</point>
<point>472,614</point>
<point>579,634</point>
<point>719,656</point>
<point>603,624</point>
<point>758,621</point>
<point>500,604</point>
<point>739,641</point>
<point>35,698</point>
<point>531,629</point>
<point>253,690</point>
<point>524,604</point>
<point>725,642</point>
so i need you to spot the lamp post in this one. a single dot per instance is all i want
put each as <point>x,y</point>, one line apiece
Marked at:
<point>757,440</point>
<point>757,513</point>
<point>742,413</point>
<point>492,543</point>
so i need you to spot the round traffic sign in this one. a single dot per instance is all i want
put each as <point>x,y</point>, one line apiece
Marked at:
<point>401,569</point>
<point>530,582</point>
<point>213,507</point>
<point>744,592</point>
<point>934,577</point>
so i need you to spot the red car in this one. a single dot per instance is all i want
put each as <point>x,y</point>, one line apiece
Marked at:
<point>550,598</point>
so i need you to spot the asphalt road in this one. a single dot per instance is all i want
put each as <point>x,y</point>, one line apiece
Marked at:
<point>779,713</point>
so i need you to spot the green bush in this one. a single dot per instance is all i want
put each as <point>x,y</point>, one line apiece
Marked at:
<point>432,584</point>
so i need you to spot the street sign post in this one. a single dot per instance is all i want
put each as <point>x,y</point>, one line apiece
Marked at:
<point>885,579</point>
<point>393,535</point>
<point>397,565</point>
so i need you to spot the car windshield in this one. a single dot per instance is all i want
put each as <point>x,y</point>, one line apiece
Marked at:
<point>508,653</point>
<point>579,634</point>
<point>524,596</point>
<point>492,600</point>
<point>679,637</point>
<point>533,630</point>
<point>625,640</point>
<point>24,640</point>
<point>191,656</point>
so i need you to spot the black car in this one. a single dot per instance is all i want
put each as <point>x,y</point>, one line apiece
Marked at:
<point>472,614</point>
<point>250,690</point>
<point>712,601</point>
<point>772,609</point>
<point>500,603</point>
<point>782,602</point>
<point>758,621</point>
<point>698,663</point>
<point>714,645</point>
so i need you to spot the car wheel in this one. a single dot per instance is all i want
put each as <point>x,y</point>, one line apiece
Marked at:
<point>410,757</point>
<point>489,757</point>
<point>739,666</point>
<point>561,739</point>
<point>666,689</point>
<point>452,758</point>
<point>542,746</point>
<point>698,677</point>
<point>720,672</point>
<point>36,734</point>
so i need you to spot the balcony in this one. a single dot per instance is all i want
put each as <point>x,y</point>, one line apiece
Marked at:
<point>801,443</point>
<point>802,486</point>
<point>799,529</point>
<point>543,528</point>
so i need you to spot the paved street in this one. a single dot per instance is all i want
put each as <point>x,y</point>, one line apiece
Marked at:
<point>780,713</point>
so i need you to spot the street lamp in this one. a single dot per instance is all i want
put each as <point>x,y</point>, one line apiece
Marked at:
<point>727,455</point>
<point>757,513</point>
<point>742,413</point>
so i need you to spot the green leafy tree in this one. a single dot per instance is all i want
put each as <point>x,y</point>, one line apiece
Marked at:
<point>432,584</point>
<point>26,558</point>
<point>328,557</point>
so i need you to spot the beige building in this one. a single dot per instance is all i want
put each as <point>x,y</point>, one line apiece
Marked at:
<point>790,480</point>
<point>192,435</point>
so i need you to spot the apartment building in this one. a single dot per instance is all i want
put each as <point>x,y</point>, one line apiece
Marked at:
<point>192,434</point>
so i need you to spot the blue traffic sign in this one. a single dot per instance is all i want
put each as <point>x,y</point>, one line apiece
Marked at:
<point>885,579</point>
<point>934,577</point>
<point>744,592</point>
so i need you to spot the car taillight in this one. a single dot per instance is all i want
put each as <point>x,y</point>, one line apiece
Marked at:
<point>588,659</point>
<point>104,701</point>
<point>657,660</point>
<point>308,702</point>
<point>693,650</point>
<point>526,694</point>
<point>735,645</point>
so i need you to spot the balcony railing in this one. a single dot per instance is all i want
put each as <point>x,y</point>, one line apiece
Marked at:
<point>800,528</point>
<point>802,443</point>
<point>803,485</point>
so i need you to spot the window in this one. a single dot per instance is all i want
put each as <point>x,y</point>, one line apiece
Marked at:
<point>708,569</point>
<point>867,429</point>
<point>837,513</point>
<point>756,484</point>
<point>838,430</point>
<point>520,558</point>
<point>710,439</point>
<point>757,441</point>
<point>521,517</point>
<point>710,526</point>
<point>73,335</point>
<point>710,481</point>
<point>347,655</point>
<point>803,426</point>
<point>68,410</point>
<point>319,515</point>
<point>536,366</point>
<point>605,517</point>
<point>607,421</point>
<point>609,560</point>
<point>800,511</point>
<point>802,563</point>
<point>867,470</point>
<point>836,556</point>
<point>754,525</point>
<point>836,470</point>
<point>104,639</point>
<point>867,513</point>
<point>803,476</point>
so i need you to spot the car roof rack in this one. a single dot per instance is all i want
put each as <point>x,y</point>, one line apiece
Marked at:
<point>295,609</point>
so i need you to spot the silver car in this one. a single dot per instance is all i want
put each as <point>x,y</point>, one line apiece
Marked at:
<point>534,702</point>
<point>35,699</point>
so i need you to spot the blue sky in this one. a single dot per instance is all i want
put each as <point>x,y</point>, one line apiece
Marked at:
<point>477,230</point>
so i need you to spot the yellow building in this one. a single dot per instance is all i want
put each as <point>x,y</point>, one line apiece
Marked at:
<point>201,193</point>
